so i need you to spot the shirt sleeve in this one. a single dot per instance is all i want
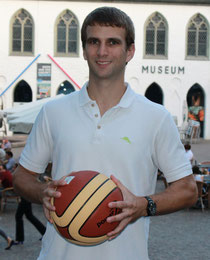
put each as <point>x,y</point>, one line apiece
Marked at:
<point>169,153</point>
<point>38,150</point>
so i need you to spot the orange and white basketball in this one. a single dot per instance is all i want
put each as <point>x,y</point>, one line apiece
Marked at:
<point>82,210</point>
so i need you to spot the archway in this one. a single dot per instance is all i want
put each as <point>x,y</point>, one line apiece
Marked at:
<point>196,105</point>
<point>65,88</point>
<point>23,92</point>
<point>154,93</point>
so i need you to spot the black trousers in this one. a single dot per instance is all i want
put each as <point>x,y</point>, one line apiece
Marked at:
<point>24,207</point>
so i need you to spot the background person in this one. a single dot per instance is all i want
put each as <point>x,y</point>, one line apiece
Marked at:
<point>189,153</point>
<point>6,145</point>
<point>10,242</point>
<point>10,161</point>
<point>25,208</point>
<point>5,177</point>
<point>101,129</point>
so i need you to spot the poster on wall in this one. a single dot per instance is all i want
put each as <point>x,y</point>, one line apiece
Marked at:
<point>43,80</point>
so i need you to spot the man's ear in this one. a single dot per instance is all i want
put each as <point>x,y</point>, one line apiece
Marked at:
<point>130,52</point>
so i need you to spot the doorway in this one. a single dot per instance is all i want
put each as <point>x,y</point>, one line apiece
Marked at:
<point>22,92</point>
<point>196,105</point>
<point>154,93</point>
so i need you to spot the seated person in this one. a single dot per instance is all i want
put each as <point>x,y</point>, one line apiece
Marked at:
<point>198,176</point>
<point>5,178</point>
<point>6,145</point>
<point>10,161</point>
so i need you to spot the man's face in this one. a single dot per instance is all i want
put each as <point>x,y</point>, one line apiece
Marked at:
<point>106,52</point>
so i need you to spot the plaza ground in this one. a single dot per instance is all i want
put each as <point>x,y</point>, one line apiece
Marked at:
<point>183,235</point>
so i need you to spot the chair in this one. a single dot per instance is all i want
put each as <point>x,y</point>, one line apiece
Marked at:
<point>7,194</point>
<point>201,196</point>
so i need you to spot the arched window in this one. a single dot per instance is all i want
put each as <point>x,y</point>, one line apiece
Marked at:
<point>156,34</point>
<point>22,92</point>
<point>154,93</point>
<point>66,36</point>
<point>197,37</point>
<point>22,33</point>
<point>196,105</point>
<point>65,88</point>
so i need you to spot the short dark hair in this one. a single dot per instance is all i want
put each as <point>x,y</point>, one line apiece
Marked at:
<point>196,170</point>
<point>9,153</point>
<point>187,146</point>
<point>109,16</point>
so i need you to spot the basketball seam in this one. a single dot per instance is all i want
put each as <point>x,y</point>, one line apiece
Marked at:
<point>87,201</point>
<point>76,196</point>
<point>94,211</point>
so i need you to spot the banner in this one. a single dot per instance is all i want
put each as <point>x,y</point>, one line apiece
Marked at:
<point>43,80</point>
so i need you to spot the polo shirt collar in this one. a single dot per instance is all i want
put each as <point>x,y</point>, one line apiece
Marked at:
<point>125,101</point>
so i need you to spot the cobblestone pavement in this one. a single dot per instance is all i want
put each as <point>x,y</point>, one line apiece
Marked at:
<point>183,235</point>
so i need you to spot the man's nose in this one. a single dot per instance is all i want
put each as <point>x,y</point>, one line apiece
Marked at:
<point>102,49</point>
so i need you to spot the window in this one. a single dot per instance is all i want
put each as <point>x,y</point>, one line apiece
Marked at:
<point>22,92</point>
<point>66,41</point>
<point>65,88</point>
<point>197,38</point>
<point>22,34</point>
<point>156,33</point>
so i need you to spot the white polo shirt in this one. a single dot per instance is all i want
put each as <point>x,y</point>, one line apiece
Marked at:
<point>131,140</point>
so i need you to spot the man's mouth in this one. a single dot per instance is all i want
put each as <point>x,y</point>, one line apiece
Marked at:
<point>103,62</point>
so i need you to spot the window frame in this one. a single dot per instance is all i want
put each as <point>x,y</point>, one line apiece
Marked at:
<point>196,56</point>
<point>22,40</point>
<point>156,56</point>
<point>66,54</point>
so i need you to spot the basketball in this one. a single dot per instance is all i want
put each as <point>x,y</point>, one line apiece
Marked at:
<point>82,210</point>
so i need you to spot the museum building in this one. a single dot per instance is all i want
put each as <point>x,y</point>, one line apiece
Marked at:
<point>41,53</point>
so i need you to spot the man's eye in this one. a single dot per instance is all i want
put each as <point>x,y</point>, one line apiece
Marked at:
<point>93,41</point>
<point>113,42</point>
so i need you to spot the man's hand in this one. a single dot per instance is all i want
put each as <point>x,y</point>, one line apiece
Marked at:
<point>49,192</point>
<point>28,186</point>
<point>133,207</point>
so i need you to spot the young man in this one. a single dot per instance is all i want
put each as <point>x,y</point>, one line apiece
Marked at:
<point>108,128</point>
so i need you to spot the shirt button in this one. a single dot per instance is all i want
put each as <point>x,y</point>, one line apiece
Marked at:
<point>96,115</point>
<point>92,105</point>
<point>99,127</point>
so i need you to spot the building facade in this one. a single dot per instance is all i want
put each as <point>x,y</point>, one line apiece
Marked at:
<point>41,53</point>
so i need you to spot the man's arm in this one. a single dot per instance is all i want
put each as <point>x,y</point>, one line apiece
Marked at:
<point>180,194</point>
<point>26,183</point>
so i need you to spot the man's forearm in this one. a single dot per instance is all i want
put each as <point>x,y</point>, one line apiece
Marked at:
<point>180,194</point>
<point>27,184</point>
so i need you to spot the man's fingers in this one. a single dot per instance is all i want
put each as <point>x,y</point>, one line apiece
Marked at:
<point>118,229</point>
<point>47,214</point>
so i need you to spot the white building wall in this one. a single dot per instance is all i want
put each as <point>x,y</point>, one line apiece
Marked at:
<point>44,13</point>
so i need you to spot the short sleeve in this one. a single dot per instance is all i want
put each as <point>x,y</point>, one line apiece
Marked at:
<point>169,154</point>
<point>38,150</point>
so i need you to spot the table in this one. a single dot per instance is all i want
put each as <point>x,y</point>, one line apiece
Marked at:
<point>204,165</point>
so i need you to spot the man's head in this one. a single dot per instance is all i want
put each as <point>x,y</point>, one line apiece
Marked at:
<point>109,16</point>
<point>9,154</point>
<point>187,147</point>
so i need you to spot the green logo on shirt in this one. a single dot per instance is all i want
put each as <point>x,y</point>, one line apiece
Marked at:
<point>126,139</point>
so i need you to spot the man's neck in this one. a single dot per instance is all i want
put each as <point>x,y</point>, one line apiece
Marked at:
<point>106,94</point>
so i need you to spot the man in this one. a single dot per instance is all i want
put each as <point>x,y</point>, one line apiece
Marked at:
<point>108,128</point>
<point>6,145</point>
<point>10,161</point>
